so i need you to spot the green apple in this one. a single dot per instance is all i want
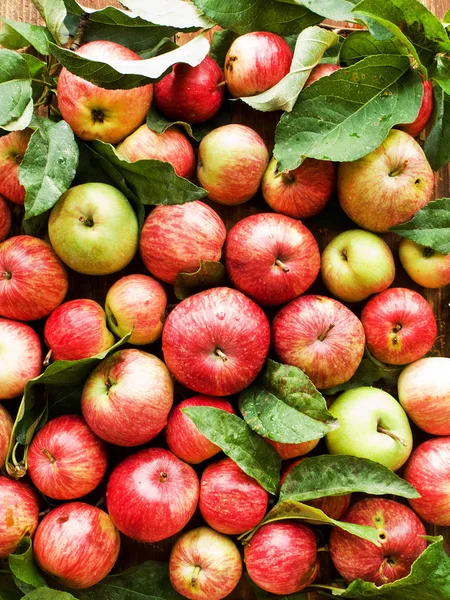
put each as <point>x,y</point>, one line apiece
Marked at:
<point>357,264</point>
<point>373,426</point>
<point>424,265</point>
<point>93,229</point>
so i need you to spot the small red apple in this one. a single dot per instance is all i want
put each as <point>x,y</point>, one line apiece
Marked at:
<point>425,111</point>
<point>12,150</point>
<point>319,71</point>
<point>19,514</point>
<point>6,425</point>
<point>5,219</point>
<point>287,451</point>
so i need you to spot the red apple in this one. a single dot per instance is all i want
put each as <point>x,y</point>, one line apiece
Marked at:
<point>95,113</point>
<point>183,437</point>
<point>399,533</point>
<point>424,265</point>
<point>5,219</point>
<point>319,71</point>
<point>281,557</point>
<point>12,150</point>
<point>76,330</point>
<point>216,342</point>
<point>127,398</point>
<point>256,62</point>
<point>20,357</point>
<point>231,162</point>
<point>33,281</point>
<point>19,514</point>
<point>230,501</point>
<point>400,326</point>
<point>66,460</point>
<point>320,336</point>
<point>176,238</point>
<point>292,450</point>
<point>6,425</point>
<point>271,258</point>
<point>152,495</point>
<point>191,94</point>
<point>425,111</point>
<point>204,565</point>
<point>136,303</point>
<point>77,544</point>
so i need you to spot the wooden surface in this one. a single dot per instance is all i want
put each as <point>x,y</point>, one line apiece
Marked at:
<point>132,553</point>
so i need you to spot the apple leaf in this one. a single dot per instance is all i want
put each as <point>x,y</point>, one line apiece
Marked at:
<point>348,114</point>
<point>157,122</point>
<point>254,456</point>
<point>174,13</point>
<point>210,274</point>
<point>54,12</point>
<point>22,564</point>
<point>284,406</point>
<point>63,400</point>
<point>340,10</point>
<point>221,42</point>
<point>361,44</point>
<point>309,49</point>
<point>437,148</point>
<point>441,72</point>
<point>15,35</point>
<point>15,89</point>
<point>46,593</point>
<point>430,226</point>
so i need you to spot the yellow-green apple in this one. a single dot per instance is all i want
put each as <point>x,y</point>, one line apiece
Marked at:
<point>231,162</point>
<point>319,71</point>
<point>291,551</point>
<point>400,534</point>
<point>184,438</point>
<point>12,150</point>
<point>287,451</point>
<point>77,544</point>
<point>172,146</point>
<point>216,342</point>
<point>320,336</point>
<point>33,281</point>
<point>6,425</point>
<point>356,264</point>
<point>95,113</point>
<point>387,186</point>
<point>127,398</point>
<point>152,495</point>
<point>136,303</point>
<point>424,393</point>
<point>425,266</point>
<point>271,258</point>
<point>66,460</point>
<point>373,425</point>
<point>93,229</point>
<point>77,329</point>
<point>230,501</point>
<point>400,326</point>
<point>204,565</point>
<point>191,94</point>
<point>20,357</point>
<point>256,62</point>
<point>300,193</point>
<point>425,111</point>
<point>176,238</point>
<point>19,514</point>
<point>5,218</point>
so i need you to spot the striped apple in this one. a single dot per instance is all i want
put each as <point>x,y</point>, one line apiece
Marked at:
<point>19,514</point>
<point>5,219</point>
<point>6,425</point>
<point>12,150</point>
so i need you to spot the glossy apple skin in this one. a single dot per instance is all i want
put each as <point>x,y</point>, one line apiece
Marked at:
<point>271,258</point>
<point>424,265</point>
<point>300,193</point>
<point>172,146</point>
<point>204,565</point>
<point>76,543</point>
<point>230,501</point>
<point>127,398</point>
<point>319,71</point>
<point>12,150</point>
<point>152,495</point>
<point>20,357</point>
<point>94,229</point>
<point>387,186</point>
<point>6,425</point>
<point>33,281</point>
<point>77,329</point>
<point>256,62</point>
<point>356,264</point>
<point>400,326</point>
<point>95,113</point>
<point>19,514</point>
<point>231,162</point>
<point>287,451</point>
<point>320,336</point>
<point>176,238</point>
<point>5,218</point>
<point>362,412</point>
<point>136,303</point>
<point>216,342</point>
<point>400,533</point>
<point>66,459</point>
<point>191,94</point>
<point>183,437</point>
<point>290,550</point>
<point>425,111</point>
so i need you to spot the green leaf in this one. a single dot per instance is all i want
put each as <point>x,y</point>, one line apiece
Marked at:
<point>15,88</point>
<point>46,593</point>
<point>220,45</point>
<point>349,113</point>
<point>430,226</point>
<point>210,274</point>
<point>54,12</point>
<point>441,72</point>
<point>336,10</point>
<point>361,44</point>
<point>63,400</point>
<point>174,13</point>
<point>437,148</point>
<point>309,49</point>
<point>254,456</point>
<point>157,122</point>
<point>16,35</point>
<point>23,566</point>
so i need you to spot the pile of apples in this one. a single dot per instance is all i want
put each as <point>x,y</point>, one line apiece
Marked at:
<point>215,342</point>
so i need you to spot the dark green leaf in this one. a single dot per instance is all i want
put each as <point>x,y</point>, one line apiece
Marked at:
<point>54,12</point>
<point>12,594</point>
<point>220,45</point>
<point>209,274</point>
<point>23,566</point>
<point>15,35</point>
<point>15,90</point>
<point>63,400</point>
<point>35,225</point>
<point>46,593</point>
<point>157,122</point>
<point>331,54</point>
<point>436,145</point>
<point>441,72</point>
<point>164,45</point>
<point>174,13</point>
<point>361,44</point>
<point>336,10</point>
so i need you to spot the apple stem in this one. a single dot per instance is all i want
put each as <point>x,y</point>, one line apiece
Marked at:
<point>195,575</point>
<point>163,477</point>
<point>399,169</point>
<point>287,177</point>
<point>47,358</point>
<point>222,355</point>
<point>49,455</point>
<point>282,266</point>
<point>324,334</point>
<point>6,275</point>
<point>394,436</point>
<point>80,31</point>
<point>325,548</point>
<point>221,83</point>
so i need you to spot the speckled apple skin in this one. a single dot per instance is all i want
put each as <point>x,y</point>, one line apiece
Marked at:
<point>19,514</point>
<point>12,150</point>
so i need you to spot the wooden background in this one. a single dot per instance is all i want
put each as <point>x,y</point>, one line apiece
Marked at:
<point>23,10</point>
